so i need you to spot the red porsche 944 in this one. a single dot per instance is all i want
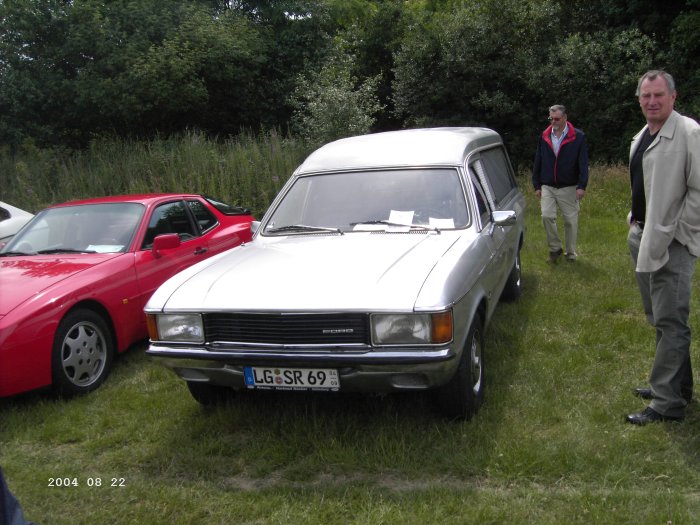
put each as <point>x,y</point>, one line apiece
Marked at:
<point>74,281</point>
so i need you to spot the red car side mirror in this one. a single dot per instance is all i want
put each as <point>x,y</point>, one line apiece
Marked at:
<point>167,241</point>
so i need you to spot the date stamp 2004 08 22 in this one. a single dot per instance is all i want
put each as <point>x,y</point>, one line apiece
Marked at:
<point>72,481</point>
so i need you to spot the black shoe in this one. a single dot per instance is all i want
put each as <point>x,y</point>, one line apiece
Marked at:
<point>649,415</point>
<point>554,256</point>
<point>644,393</point>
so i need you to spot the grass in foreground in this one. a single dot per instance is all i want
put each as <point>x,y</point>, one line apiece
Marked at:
<point>549,446</point>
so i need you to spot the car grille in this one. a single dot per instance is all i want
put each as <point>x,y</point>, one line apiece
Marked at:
<point>297,329</point>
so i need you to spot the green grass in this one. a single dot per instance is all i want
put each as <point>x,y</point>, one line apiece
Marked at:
<point>245,170</point>
<point>550,445</point>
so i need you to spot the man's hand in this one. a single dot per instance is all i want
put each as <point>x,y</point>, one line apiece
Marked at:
<point>538,193</point>
<point>580,194</point>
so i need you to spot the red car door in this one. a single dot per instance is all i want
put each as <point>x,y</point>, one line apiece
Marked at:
<point>155,267</point>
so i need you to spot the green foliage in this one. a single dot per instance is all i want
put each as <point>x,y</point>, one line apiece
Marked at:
<point>331,105</point>
<point>685,48</point>
<point>502,64</point>
<point>247,170</point>
<point>471,66</point>
<point>605,65</point>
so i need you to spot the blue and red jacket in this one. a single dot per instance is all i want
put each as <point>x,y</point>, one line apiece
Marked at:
<point>568,168</point>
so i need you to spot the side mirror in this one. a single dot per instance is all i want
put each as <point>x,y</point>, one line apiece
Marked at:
<point>254,226</point>
<point>167,241</point>
<point>505,218</point>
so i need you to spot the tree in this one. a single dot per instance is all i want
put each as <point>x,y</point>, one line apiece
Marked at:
<point>69,70</point>
<point>332,104</point>
<point>470,66</point>
<point>683,61</point>
<point>595,76</point>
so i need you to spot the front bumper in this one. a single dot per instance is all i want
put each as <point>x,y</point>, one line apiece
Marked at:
<point>367,371</point>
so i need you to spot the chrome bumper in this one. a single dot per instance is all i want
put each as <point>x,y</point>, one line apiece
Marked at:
<point>373,371</point>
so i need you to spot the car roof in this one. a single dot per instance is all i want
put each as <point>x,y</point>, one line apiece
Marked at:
<point>16,212</point>
<point>412,147</point>
<point>144,198</point>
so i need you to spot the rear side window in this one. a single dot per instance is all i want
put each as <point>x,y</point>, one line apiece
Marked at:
<point>498,173</point>
<point>481,199</point>
<point>202,215</point>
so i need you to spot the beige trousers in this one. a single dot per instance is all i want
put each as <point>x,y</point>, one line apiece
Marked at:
<point>565,199</point>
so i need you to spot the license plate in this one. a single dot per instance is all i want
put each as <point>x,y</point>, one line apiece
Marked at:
<point>274,378</point>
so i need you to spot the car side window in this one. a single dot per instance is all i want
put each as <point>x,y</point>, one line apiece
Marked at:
<point>202,215</point>
<point>498,173</point>
<point>481,199</point>
<point>172,217</point>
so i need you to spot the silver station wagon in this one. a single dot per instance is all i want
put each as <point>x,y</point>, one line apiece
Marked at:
<point>376,269</point>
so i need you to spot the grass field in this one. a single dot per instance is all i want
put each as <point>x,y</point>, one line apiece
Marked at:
<point>550,446</point>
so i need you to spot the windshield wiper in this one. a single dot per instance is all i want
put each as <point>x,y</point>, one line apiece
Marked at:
<point>64,250</point>
<point>398,224</point>
<point>303,228</point>
<point>10,254</point>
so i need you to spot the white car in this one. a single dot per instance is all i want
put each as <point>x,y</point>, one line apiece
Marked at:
<point>376,269</point>
<point>11,221</point>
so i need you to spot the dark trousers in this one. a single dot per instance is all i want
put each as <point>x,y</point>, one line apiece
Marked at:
<point>666,299</point>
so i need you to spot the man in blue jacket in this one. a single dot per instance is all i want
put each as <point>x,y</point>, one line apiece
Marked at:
<point>560,177</point>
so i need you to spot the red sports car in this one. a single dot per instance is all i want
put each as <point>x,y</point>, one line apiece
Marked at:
<point>74,281</point>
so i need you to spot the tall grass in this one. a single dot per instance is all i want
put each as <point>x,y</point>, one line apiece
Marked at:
<point>549,446</point>
<point>246,170</point>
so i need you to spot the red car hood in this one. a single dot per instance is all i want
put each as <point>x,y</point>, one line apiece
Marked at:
<point>22,278</point>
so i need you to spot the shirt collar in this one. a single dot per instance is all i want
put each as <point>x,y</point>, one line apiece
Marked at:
<point>563,134</point>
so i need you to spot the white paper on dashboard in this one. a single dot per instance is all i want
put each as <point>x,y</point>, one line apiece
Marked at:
<point>400,217</point>
<point>104,248</point>
<point>441,224</point>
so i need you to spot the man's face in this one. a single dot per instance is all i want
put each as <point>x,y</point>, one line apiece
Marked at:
<point>557,119</point>
<point>656,100</point>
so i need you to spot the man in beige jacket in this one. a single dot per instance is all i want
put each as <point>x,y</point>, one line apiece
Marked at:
<point>664,240</point>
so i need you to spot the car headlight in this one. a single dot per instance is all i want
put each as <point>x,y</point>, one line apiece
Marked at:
<point>412,329</point>
<point>185,328</point>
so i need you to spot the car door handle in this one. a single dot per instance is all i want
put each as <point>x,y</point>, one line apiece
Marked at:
<point>200,251</point>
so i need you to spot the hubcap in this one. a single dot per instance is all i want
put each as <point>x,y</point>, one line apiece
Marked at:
<point>476,357</point>
<point>83,354</point>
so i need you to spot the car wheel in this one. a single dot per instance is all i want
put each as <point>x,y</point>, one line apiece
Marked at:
<point>82,352</point>
<point>209,395</point>
<point>514,284</point>
<point>462,396</point>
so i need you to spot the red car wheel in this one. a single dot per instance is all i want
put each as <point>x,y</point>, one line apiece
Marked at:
<point>82,352</point>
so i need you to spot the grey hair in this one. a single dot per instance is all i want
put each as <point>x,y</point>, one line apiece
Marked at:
<point>652,75</point>
<point>558,107</point>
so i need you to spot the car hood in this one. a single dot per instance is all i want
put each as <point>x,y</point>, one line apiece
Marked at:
<point>352,272</point>
<point>22,278</point>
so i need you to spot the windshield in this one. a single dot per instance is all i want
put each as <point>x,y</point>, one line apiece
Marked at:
<point>89,228</point>
<point>372,200</point>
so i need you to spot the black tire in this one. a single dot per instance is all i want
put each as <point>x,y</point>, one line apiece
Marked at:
<point>514,285</point>
<point>83,350</point>
<point>210,395</point>
<point>462,396</point>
